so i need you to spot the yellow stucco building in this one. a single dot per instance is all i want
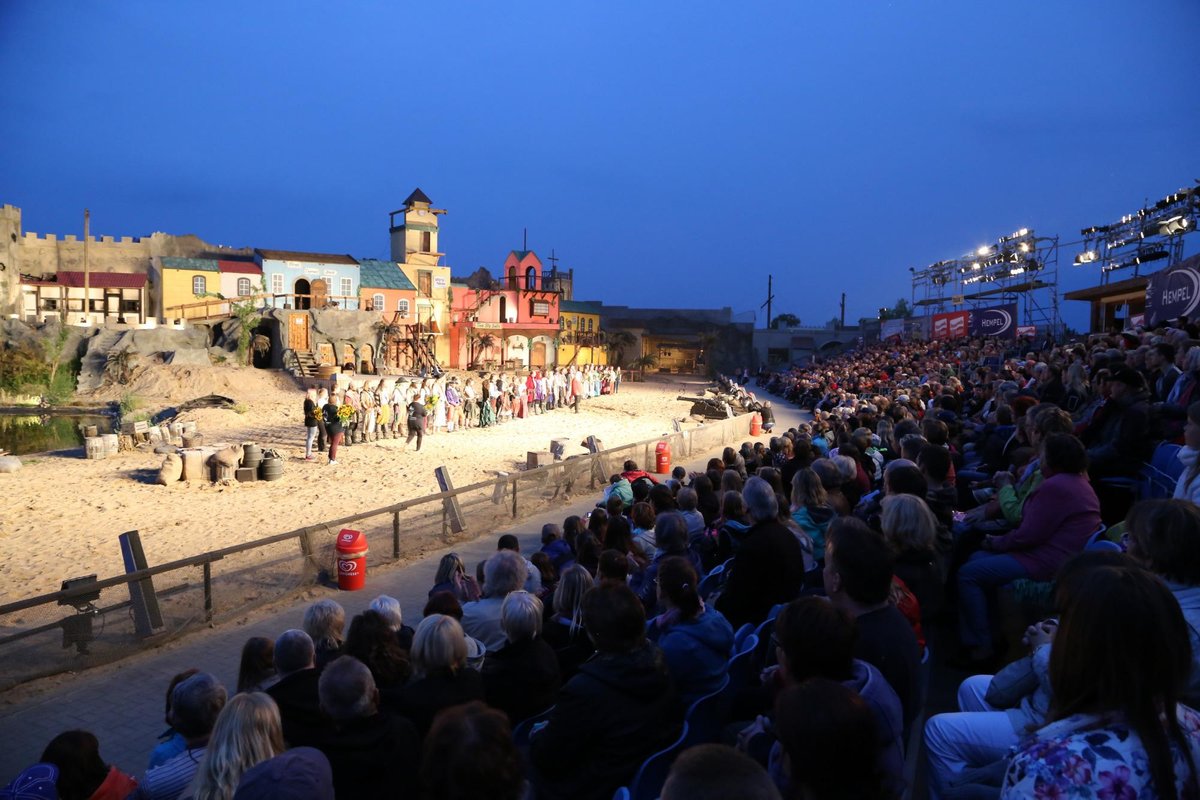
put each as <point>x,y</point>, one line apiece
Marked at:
<point>415,249</point>
<point>580,341</point>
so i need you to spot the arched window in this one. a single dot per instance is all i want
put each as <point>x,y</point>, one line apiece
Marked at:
<point>530,278</point>
<point>377,302</point>
<point>198,285</point>
<point>243,287</point>
<point>512,278</point>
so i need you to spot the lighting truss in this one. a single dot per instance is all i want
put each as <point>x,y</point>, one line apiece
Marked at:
<point>1152,233</point>
<point>1020,266</point>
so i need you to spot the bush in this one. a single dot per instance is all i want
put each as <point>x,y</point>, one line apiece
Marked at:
<point>129,403</point>
<point>23,370</point>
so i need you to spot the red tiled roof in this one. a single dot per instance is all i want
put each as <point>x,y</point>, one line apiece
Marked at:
<point>103,280</point>
<point>246,267</point>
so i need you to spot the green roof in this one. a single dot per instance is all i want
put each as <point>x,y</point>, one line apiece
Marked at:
<point>375,274</point>
<point>191,264</point>
<point>579,307</point>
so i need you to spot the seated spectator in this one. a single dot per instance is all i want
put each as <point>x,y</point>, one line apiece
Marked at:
<point>370,753</point>
<point>696,640</point>
<point>717,772</point>
<point>389,608</point>
<point>707,502</point>
<point>1121,442</point>
<point>620,538</point>
<point>811,509</point>
<point>689,503</point>
<point>769,566</point>
<point>541,562</point>
<point>533,577</point>
<point>829,734</point>
<point>817,639</point>
<point>1188,486</point>
<point>910,528</point>
<point>295,693</point>
<point>452,577</point>
<point>1164,537</point>
<point>554,546</point>
<point>934,463</point>
<point>831,481</point>
<point>446,603</point>
<point>732,526</point>
<point>572,525</point>
<point>373,642</point>
<point>504,573</point>
<point>302,773</point>
<point>565,632</point>
<point>469,753</point>
<point>613,569</point>
<point>171,743</point>
<point>1059,517</point>
<point>1120,657</point>
<point>588,549</point>
<point>670,531</point>
<point>82,773</point>
<point>441,677</point>
<point>997,711</point>
<point>858,579</point>
<point>195,704</point>
<point>325,623</point>
<point>642,517</point>
<point>257,668</point>
<point>247,732</point>
<point>618,709</point>
<point>521,678</point>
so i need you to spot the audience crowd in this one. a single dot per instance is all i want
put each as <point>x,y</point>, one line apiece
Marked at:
<point>772,622</point>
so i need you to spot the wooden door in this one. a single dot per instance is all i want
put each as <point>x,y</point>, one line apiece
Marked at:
<point>320,291</point>
<point>298,332</point>
<point>325,354</point>
<point>537,355</point>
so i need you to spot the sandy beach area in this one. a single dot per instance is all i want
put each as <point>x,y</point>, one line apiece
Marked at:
<point>61,514</point>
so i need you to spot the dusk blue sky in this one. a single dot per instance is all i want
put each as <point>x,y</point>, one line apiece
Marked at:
<point>672,153</point>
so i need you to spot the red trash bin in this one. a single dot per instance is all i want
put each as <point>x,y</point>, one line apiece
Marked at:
<point>662,458</point>
<point>351,560</point>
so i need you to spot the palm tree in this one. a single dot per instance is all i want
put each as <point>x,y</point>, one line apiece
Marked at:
<point>119,364</point>
<point>619,341</point>
<point>480,343</point>
<point>648,361</point>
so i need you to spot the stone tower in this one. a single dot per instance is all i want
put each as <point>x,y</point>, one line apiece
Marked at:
<point>415,239</point>
<point>10,274</point>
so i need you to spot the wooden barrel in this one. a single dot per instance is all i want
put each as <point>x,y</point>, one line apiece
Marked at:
<point>326,372</point>
<point>271,469</point>
<point>193,439</point>
<point>93,447</point>
<point>193,464</point>
<point>221,472</point>
<point>111,443</point>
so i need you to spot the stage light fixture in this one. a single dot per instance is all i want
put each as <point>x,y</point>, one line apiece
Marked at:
<point>1174,226</point>
<point>1086,257</point>
<point>983,251</point>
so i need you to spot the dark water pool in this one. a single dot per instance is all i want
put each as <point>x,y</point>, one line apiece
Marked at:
<point>31,433</point>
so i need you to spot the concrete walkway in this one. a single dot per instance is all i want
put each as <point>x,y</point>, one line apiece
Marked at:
<point>122,703</point>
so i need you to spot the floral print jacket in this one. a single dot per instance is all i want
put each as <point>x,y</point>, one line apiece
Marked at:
<point>1094,756</point>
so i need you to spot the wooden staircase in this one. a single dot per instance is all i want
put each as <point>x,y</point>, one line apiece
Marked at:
<point>306,364</point>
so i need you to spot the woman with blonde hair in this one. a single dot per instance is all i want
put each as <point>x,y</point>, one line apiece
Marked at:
<point>910,527</point>
<point>564,631</point>
<point>452,577</point>
<point>246,733</point>
<point>811,509</point>
<point>441,676</point>
<point>325,622</point>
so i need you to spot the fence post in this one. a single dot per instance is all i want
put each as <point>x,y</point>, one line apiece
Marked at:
<point>514,491</point>
<point>396,535</point>
<point>208,601</point>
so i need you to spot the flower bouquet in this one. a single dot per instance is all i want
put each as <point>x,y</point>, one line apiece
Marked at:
<point>346,412</point>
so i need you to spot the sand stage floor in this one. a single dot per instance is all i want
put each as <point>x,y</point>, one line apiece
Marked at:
<point>61,514</point>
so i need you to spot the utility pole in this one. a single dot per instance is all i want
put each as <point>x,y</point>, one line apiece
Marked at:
<point>87,275</point>
<point>770,297</point>
<point>843,315</point>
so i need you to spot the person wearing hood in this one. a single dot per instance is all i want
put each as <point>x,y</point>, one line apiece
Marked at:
<point>1164,537</point>
<point>1120,445</point>
<point>618,709</point>
<point>696,640</point>
<point>811,509</point>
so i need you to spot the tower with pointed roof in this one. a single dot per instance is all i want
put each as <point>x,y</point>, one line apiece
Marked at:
<point>415,239</point>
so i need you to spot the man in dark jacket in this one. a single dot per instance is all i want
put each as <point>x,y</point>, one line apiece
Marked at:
<point>296,690</point>
<point>371,753</point>
<point>1121,443</point>
<point>619,709</point>
<point>769,566</point>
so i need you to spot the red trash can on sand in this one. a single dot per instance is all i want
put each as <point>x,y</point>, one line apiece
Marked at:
<point>351,560</point>
<point>756,424</point>
<point>662,457</point>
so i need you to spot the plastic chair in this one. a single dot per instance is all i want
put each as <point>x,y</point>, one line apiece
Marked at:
<point>741,666</point>
<point>711,582</point>
<point>621,794</point>
<point>740,635</point>
<point>1097,536</point>
<point>706,716</point>
<point>648,782</point>
<point>1104,544</point>
<point>522,730</point>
